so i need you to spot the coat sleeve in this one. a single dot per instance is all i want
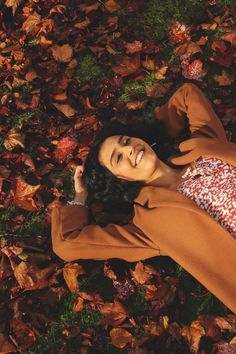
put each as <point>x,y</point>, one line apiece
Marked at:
<point>196,147</point>
<point>73,238</point>
<point>189,102</point>
<point>196,242</point>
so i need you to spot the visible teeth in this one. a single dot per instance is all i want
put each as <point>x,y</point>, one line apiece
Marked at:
<point>139,157</point>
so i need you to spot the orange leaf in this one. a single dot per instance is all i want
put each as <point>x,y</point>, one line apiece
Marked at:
<point>79,304</point>
<point>66,109</point>
<point>111,5</point>
<point>158,90</point>
<point>202,40</point>
<point>65,148</point>
<point>31,24</point>
<point>151,292</point>
<point>136,104</point>
<point>62,53</point>
<point>133,47</point>
<point>219,45</point>
<point>160,73</point>
<point>70,273</point>
<point>24,193</point>
<point>88,8</point>
<point>120,337</point>
<point>108,272</point>
<point>230,37</point>
<point>23,335</point>
<point>224,79</point>
<point>128,65</point>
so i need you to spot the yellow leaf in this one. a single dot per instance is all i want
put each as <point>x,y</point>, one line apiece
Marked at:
<point>14,138</point>
<point>160,74</point>
<point>70,274</point>
<point>62,53</point>
<point>31,23</point>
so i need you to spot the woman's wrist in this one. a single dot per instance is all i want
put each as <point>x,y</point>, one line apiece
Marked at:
<point>80,198</point>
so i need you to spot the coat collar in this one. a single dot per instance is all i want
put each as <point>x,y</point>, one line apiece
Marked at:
<point>156,196</point>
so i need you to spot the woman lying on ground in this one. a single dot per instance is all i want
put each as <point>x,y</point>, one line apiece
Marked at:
<point>185,210</point>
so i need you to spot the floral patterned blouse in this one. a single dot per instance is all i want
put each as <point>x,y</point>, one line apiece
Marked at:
<point>212,186</point>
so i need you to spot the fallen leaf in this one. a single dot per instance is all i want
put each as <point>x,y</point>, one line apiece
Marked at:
<point>108,272</point>
<point>62,53</point>
<point>136,105</point>
<point>65,108</point>
<point>194,71</point>
<point>70,274</point>
<point>133,47</point>
<point>79,304</point>
<point>193,334</point>
<point>158,90</point>
<point>120,337</point>
<point>160,73</point>
<point>230,37</point>
<point>128,66</point>
<point>115,313</point>
<point>65,149</point>
<point>14,4</point>
<point>224,79</point>
<point>5,345</point>
<point>186,50</point>
<point>14,138</point>
<point>24,193</point>
<point>142,273</point>
<point>202,40</point>
<point>23,335</point>
<point>89,8</point>
<point>111,5</point>
<point>31,24</point>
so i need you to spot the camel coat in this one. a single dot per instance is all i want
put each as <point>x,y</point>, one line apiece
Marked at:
<point>165,222</point>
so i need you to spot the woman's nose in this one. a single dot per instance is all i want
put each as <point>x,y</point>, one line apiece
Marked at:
<point>127,150</point>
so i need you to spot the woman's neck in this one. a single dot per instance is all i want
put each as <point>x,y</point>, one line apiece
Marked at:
<point>167,177</point>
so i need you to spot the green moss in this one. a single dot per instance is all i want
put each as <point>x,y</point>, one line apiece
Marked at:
<point>34,223</point>
<point>68,185</point>
<point>136,90</point>
<point>54,339</point>
<point>18,120</point>
<point>5,217</point>
<point>89,69</point>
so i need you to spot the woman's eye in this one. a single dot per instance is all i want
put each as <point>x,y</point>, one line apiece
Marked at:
<point>119,158</point>
<point>126,141</point>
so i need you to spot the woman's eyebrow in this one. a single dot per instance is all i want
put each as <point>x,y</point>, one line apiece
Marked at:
<point>113,152</point>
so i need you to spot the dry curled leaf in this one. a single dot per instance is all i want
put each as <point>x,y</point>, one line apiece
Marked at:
<point>111,5</point>
<point>193,333</point>
<point>115,313</point>
<point>224,79</point>
<point>14,138</point>
<point>70,274</point>
<point>14,4</point>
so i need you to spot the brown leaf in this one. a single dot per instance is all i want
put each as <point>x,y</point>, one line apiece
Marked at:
<point>230,37</point>
<point>142,273</point>
<point>24,193</point>
<point>115,313</point>
<point>128,66</point>
<point>23,335</point>
<point>133,47</point>
<point>14,4</point>
<point>65,148</point>
<point>70,274</point>
<point>120,337</point>
<point>88,8</point>
<point>79,304</point>
<point>14,139</point>
<point>187,49</point>
<point>62,53</point>
<point>108,272</point>
<point>65,108</point>
<point>111,5</point>
<point>5,345</point>
<point>219,46</point>
<point>158,90</point>
<point>224,79</point>
<point>31,24</point>
<point>136,105</point>
<point>193,333</point>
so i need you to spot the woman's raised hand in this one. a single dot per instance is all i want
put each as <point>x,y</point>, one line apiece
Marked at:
<point>80,190</point>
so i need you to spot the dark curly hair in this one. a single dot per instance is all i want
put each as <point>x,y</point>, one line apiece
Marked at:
<point>102,186</point>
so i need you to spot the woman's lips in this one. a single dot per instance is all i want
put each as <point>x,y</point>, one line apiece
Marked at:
<point>139,157</point>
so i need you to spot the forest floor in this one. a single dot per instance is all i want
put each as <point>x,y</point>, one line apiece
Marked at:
<point>66,69</point>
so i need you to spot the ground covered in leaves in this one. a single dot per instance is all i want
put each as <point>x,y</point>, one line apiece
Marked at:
<point>66,68</point>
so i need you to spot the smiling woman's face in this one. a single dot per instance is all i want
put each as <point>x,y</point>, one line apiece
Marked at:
<point>128,158</point>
